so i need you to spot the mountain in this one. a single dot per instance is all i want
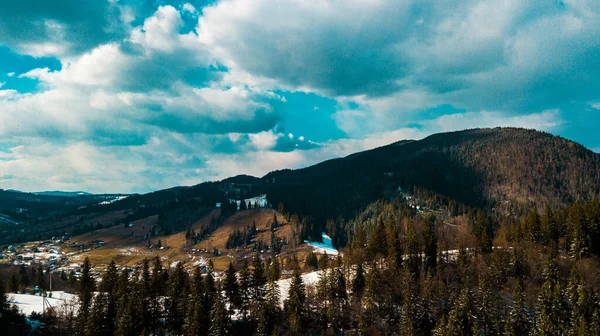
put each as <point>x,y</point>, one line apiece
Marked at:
<point>507,169</point>
<point>62,193</point>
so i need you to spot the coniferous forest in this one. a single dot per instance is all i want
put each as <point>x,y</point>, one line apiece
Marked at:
<point>402,273</point>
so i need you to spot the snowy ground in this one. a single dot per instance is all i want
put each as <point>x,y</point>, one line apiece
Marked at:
<point>28,303</point>
<point>309,279</point>
<point>323,247</point>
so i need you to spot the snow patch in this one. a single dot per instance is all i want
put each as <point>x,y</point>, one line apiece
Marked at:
<point>28,303</point>
<point>325,247</point>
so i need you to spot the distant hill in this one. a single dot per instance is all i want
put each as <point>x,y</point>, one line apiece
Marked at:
<point>62,193</point>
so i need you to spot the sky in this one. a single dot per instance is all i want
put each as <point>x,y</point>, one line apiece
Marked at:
<point>137,95</point>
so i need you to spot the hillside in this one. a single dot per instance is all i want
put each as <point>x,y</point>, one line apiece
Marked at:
<point>507,169</point>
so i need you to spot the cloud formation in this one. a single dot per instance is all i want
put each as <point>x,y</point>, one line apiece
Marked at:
<point>176,92</point>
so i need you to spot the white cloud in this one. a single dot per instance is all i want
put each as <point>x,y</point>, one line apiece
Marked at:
<point>301,138</point>
<point>10,74</point>
<point>595,105</point>
<point>188,7</point>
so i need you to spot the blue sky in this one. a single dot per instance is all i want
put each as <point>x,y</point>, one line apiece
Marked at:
<point>137,95</point>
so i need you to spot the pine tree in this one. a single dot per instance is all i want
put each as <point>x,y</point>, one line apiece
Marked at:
<point>407,318</point>
<point>193,319</point>
<point>259,280</point>
<point>488,299</point>
<point>378,240</point>
<point>394,255</point>
<point>550,320</point>
<point>359,282</point>
<point>146,295</point>
<point>13,283</point>
<point>98,323</point>
<point>430,244</point>
<point>275,270</point>
<point>460,321</point>
<point>11,321</point>
<point>245,288</point>
<point>110,286</point>
<point>210,292</point>
<point>231,288</point>
<point>413,262</point>
<point>177,299</point>
<point>220,320</point>
<point>41,278</point>
<point>158,290</point>
<point>85,294</point>
<point>270,313</point>
<point>518,322</point>
<point>440,328</point>
<point>578,302</point>
<point>339,318</point>
<point>294,305</point>
<point>196,320</point>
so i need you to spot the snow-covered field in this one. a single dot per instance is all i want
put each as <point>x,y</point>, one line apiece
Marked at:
<point>28,303</point>
<point>325,246</point>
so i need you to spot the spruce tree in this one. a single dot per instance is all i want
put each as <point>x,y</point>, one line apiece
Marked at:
<point>460,319</point>
<point>488,315</point>
<point>177,299</point>
<point>157,291</point>
<point>259,280</point>
<point>220,321</point>
<point>110,286</point>
<point>231,288</point>
<point>85,293</point>
<point>550,320</point>
<point>294,305</point>
<point>359,282</point>
<point>518,322</point>
<point>245,290</point>
<point>430,244</point>
<point>413,262</point>
<point>394,254</point>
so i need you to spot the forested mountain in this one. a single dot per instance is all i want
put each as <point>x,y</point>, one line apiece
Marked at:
<point>478,232</point>
<point>507,169</point>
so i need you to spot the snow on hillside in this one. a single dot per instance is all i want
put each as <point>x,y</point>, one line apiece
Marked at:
<point>325,246</point>
<point>28,303</point>
<point>309,279</point>
<point>113,200</point>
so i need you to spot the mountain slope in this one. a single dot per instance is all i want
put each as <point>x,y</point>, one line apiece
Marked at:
<point>505,167</point>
